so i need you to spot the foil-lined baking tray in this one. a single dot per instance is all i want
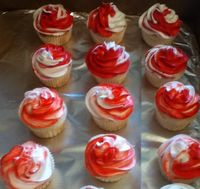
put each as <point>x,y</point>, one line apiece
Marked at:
<point>19,41</point>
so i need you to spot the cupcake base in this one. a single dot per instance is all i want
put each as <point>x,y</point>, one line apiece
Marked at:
<point>117,37</point>
<point>110,125</point>
<point>56,40</point>
<point>153,39</point>
<point>111,179</point>
<point>171,123</point>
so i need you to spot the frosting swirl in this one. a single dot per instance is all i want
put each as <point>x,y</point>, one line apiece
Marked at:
<point>107,60</point>
<point>90,187</point>
<point>161,20</point>
<point>177,186</point>
<point>41,108</point>
<point>180,157</point>
<point>177,100</point>
<point>109,155</point>
<point>51,61</point>
<point>109,101</point>
<point>52,20</point>
<point>106,20</point>
<point>166,60</point>
<point>27,166</point>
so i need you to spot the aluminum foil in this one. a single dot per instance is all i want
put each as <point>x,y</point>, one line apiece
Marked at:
<point>19,41</point>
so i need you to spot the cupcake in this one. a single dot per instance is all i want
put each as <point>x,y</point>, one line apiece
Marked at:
<point>159,25</point>
<point>90,187</point>
<point>110,105</point>
<point>163,64</point>
<point>52,65</point>
<point>43,111</point>
<point>179,159</point>
<point>176,105</point>
<point>27,166</point>
<point>177,186</point>
<point>53,24</point>
<point>108,62</point>
<point>107,23</point>
<point>109,157</point>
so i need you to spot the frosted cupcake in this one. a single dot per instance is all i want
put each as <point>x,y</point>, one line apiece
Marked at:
<point>177,186</point>
<point>179,159</point>
<point>107,23</point>
<point>110,106</point>
<point>109,157</point>
<point>90,187</point>
<point>108,63</point>
<point>52,65</point>
<point>163,64</point>
<point>176,105</point>
<point>53,24</point>
<point>43,111</point>
<point>27,166</point>
<point>159,25</point>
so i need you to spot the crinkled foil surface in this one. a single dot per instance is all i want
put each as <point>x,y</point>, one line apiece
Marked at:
<point>19,41</point>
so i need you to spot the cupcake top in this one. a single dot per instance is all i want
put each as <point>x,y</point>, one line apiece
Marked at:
<point>161,20</point>
<point>109,101</point>
<point>166,60</point>
<point>108,155</point>
<point>107,60</point>
<point>51,61</point>
<point>177,100</point>
<point>26,166</point>
<point>90,187</point>
<point>180,157</point>
<point>52,20</point>
<point>177,186</point>
<point>106,20</point>
<point>41,108</point>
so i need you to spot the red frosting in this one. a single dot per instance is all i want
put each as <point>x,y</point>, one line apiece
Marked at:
<point>48,17</point>
<point>109,155</point>
<point>107,60</point>
<point>164,59</point>
<point>41,108</point>
<point>177,100</point>
<point>98,19</point>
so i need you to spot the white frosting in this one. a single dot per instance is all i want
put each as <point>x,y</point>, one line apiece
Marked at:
<point>90,187</point>
<point>116,23</point>
<point>177,186</point>
<point>44,57</point>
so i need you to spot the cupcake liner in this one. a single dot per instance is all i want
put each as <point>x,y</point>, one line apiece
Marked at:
<point>111,179</point>
<point>114,80</point>
<point>110,125</point>
<point>117,37</point>
<point>56,40</point>
<point>171,123</point>
<point>153,39</point>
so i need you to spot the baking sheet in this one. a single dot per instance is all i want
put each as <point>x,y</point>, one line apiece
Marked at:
<point>19,41</point>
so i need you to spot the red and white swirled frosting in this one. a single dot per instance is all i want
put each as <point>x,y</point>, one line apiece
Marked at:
<point>166,60</point>
<point>177,186</point>
<point>161,20</point>
<point>51,61</point>
<point>41,108</point>
<point>109,155</point>
<point>177,100</point>
<point>106,20</point>
<point>180,157</point>
<point>52,20</point>
<point>26,166</point>
<point>107,60</point>
<point>109,101</point>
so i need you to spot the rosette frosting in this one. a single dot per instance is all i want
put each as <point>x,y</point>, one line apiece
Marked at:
<point>26,166</point>
<point>107,60</point>
<point>109,101</point>
<point>180,157</point>
<point>166,60</point>
<point>177,186</point>
<point>109,155</point>
<point>161,20</point>
<point>41,108</point>
<point>51,61</point>
<point>177,100</point>
<point>106,20</point>
<point>52,20</point>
